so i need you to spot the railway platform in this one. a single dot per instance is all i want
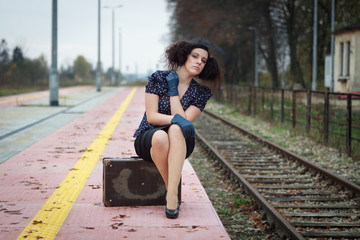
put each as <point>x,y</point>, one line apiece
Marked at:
<point>51,172</point>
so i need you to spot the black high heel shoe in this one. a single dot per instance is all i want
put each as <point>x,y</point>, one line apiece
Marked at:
<point>172,214</point>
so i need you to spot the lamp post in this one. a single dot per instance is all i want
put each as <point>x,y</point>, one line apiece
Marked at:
<point>98,68</point>
<point>113,42</point>
<point>283,63</point>
<point>256,81</point>
<point>314,64</point>
<point>54,77</point>
<point>332,43</point>
<point>119,57</point>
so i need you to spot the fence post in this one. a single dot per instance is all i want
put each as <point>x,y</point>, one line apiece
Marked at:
<point>272,106</point>
<point>308,112</point>
<point>228,94</point>
<point>262,101</point>
<point>326,118</point>
<point>282,105</point>
<point>294,109</point>
<point>348,127</point>
<point>255,100</point>
<point>233,95</point>
<point>249,98</point>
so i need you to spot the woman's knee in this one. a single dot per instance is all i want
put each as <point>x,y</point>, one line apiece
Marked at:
<point>175,131</point>
<point>160,140</point>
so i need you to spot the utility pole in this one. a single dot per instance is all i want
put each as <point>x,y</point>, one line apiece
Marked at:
<point>113,43</point>
<point>314,64</point>
<point>119,56</point>
<point>283,63</point>
<point>332,43</point>
<point>54,78</point>
<point>113,50</point>
<point>98,68</point>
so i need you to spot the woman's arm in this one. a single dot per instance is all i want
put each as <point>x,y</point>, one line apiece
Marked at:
<point>154,117</point>
<point>152,111</point>
<point>190,114</point>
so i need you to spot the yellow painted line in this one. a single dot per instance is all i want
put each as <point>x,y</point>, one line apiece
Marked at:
<point>51,216</point>
<point>19,99</point>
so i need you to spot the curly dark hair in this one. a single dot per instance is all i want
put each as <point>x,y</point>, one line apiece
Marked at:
<point>177,53</point>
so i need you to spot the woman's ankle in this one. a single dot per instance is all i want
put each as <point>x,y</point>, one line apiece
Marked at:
<point>171,201</point>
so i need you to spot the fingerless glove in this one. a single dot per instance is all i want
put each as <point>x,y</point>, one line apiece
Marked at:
<point>186,126</point>
<point>173,82</point>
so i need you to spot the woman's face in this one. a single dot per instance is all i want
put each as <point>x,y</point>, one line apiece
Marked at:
<point>196,61</point>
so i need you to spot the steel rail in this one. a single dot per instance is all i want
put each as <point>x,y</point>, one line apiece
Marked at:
<point>272,215</point>
<point>331,176</point>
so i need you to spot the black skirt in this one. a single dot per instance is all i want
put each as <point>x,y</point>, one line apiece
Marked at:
<point>142,143</point>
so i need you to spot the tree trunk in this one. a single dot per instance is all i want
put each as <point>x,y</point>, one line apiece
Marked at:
<point>271,48</point>
<point>295,68</point>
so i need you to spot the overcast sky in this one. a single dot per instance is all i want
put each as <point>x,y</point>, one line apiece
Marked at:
<point>144,28</point>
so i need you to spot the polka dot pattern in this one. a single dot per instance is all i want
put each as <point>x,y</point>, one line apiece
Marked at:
<point>195,95</point>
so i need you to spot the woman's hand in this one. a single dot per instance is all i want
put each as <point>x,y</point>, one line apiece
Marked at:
<point>186,126</point>
<point>173,82</point>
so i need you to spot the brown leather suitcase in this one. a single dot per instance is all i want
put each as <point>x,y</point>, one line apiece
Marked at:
<point>132,182</point>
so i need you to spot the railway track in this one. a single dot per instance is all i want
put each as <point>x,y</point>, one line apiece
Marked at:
<point>298,199</point>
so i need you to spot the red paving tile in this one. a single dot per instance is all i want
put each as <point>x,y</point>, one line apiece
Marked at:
<point>30,178</point>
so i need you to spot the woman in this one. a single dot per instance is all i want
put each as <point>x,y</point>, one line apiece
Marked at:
<point>173,100</point>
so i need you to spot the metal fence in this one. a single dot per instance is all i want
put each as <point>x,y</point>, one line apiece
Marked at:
<point>328,117</point>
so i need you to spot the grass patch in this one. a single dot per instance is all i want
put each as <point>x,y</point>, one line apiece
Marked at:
<point>238,202</point>
<point>223,212</point>
<point>135,83</point>
<point>14,91</point>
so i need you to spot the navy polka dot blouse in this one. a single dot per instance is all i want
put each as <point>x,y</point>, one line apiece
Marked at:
<point>195,95</point>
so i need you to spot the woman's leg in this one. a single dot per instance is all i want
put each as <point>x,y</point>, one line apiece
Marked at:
<point>176,157</point>
<point>168,151</point>
<point>159,153</point>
